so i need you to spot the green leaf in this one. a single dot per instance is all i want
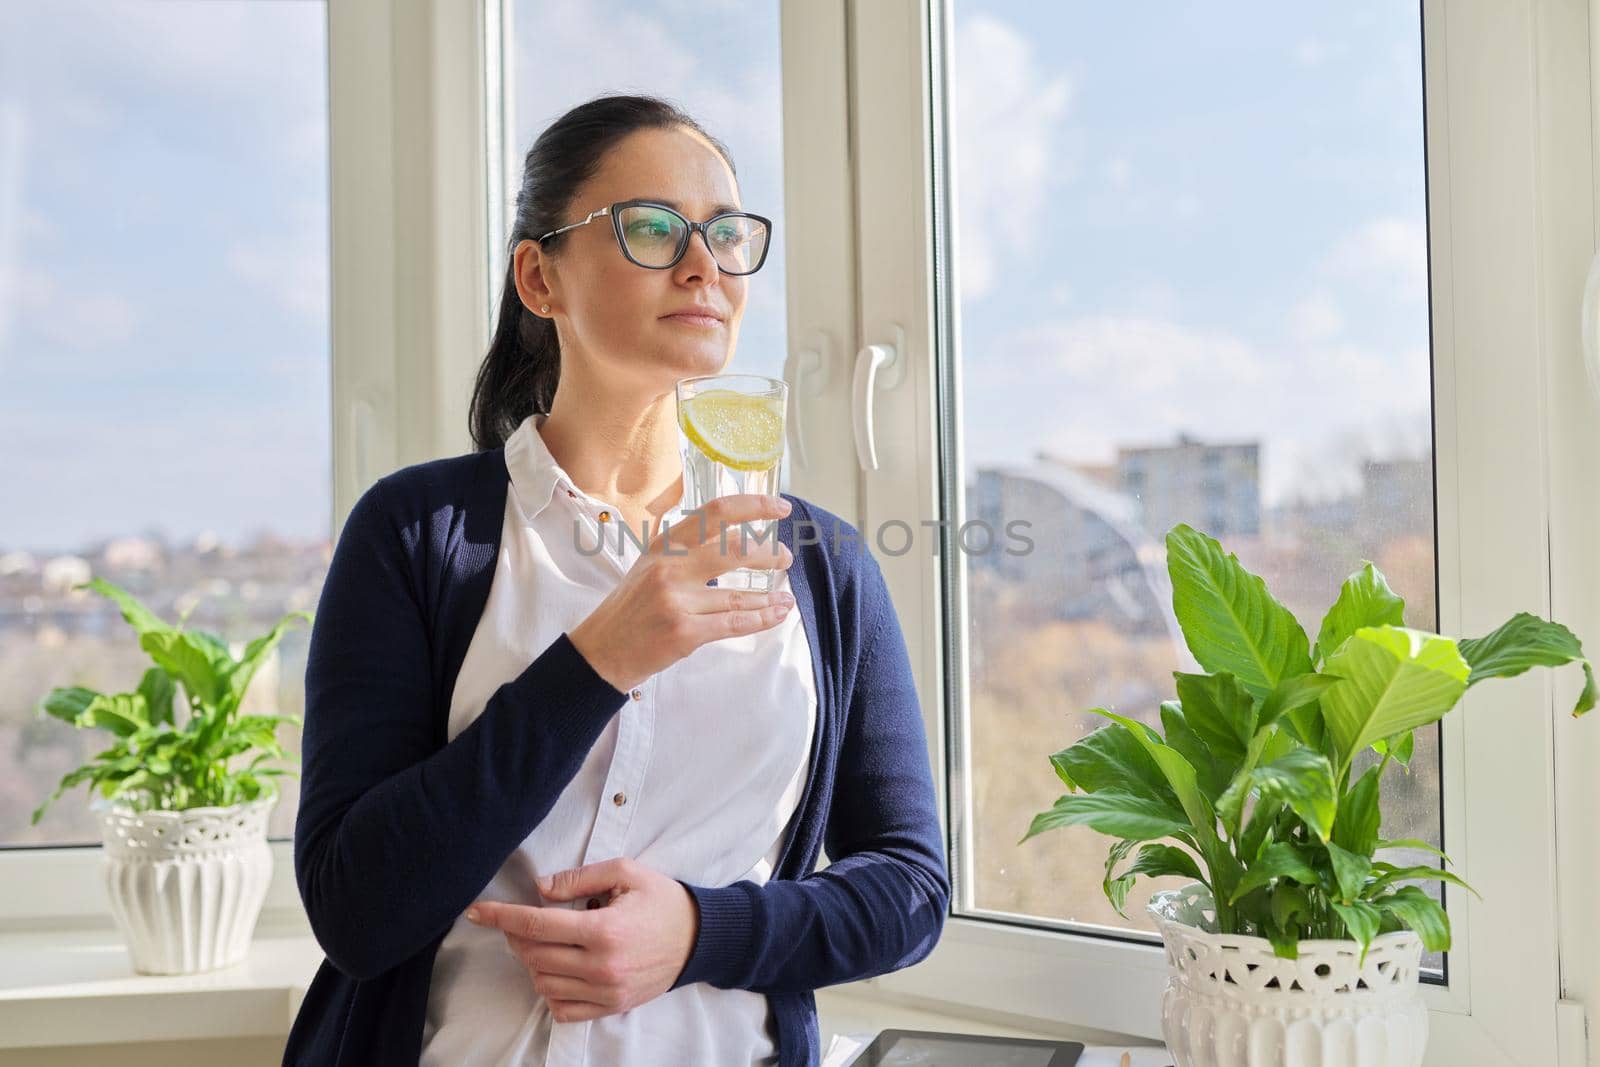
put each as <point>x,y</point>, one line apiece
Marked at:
<point>1365,599</point>
<point>1179,773</point>
<point>1304,780</point>
<point>1402,749</point>
<point>197,659</point>
<point>1356,827</point>
<point>255,654</point>
<point>1284,944</point>
<point>158,690</point>
<point>1112,757</point>
<point>1290,905</point>
<point>121,713</point>
<point>1349,871</point>
<point>1388,874</point>
<point>1113,813</point>
<point>1292,695</point>
<point>1411,842</point>
<point>1211,772</point>
<point>1419,912</point>
<point>141,618</point>
<point>68,703</point>
<point>1219,709</point>
<point>1281,860</point>
<point>1230,621</point>
<point>1155,861</point>
<point>1525,641</point>
<point>1116,887</point>
<point>1392,680</point>
<point>1362,920</point>
<point>80,775</point>
<point>1256,836</point>
<point>1060,766</point>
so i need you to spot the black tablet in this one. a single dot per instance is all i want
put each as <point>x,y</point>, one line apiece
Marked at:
<point>929,1048</point>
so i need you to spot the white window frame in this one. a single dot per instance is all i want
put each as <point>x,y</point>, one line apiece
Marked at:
<point>409,207</point>
<point>417,112</point>
<point>1512,210</point>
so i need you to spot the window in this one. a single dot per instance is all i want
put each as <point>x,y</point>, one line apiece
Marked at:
<point>164,357</point>
<point>1085,290</point>
<point>1177,272</point>
<point>718,63</point>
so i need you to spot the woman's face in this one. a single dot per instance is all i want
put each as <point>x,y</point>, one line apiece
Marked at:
<point>612,315</point>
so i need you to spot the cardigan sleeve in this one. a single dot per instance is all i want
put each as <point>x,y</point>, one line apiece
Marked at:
<point>396,835</point>
<point>880,905</point>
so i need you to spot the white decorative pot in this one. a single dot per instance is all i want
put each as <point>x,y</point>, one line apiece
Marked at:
<point>186,887</point>
<point>1230,1002</point>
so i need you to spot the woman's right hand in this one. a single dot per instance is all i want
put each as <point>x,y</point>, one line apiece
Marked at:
<point>663,610</point>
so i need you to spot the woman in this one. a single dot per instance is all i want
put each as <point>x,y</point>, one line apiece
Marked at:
<point>625,773</point>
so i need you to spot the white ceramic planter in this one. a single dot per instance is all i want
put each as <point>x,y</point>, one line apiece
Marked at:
<point>1230,1002</point>
<point>186,887</point>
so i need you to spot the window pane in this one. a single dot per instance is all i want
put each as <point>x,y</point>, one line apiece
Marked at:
<point>719,62</point>
<point>164,358</point>
<point>1195,291</point>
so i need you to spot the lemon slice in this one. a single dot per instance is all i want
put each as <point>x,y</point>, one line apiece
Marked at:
<point>735,429</point>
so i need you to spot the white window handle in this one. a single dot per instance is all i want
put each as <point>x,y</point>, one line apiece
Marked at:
<point>870,360</point>
<point>806,371</point>
<point>1591,324</point>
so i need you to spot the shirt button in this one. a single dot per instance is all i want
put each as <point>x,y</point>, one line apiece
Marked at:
<point>638,694</point>
<point>605,516</point>
<point>620,799</point>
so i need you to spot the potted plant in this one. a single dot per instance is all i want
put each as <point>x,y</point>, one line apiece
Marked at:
<point>184,833</point>
<point>1298,922</point>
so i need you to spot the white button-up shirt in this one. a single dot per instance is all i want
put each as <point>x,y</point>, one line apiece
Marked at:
<point>696,777</point>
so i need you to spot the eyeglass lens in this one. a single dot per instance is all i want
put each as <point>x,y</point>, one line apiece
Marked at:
<point>655,237</point>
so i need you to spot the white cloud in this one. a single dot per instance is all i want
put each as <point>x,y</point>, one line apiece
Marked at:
<point>1317,317</point>
<point>64,314</point>
<point>1008,109</point>
<point>739,104</point>
<point>1081,386</point>
<point>1144,356</point>
<point>293,269</point>
<point>289,275</point>
<point>1389,254</point>
<point>1310,52</point>
<point>13,144</point>
<point>1118,172</point>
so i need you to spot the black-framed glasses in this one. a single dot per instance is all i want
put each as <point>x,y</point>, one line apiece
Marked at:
<point>655,237</point>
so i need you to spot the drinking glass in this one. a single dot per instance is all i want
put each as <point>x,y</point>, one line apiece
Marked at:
<point>731,434</point>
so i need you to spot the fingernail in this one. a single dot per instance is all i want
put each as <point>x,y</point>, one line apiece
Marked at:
<point>472,914</point>
<point>784,507</point>
<point>786,598</point>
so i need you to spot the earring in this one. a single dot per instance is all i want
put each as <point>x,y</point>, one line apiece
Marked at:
<point>545,308</point>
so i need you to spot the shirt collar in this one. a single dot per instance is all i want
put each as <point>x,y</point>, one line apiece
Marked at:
<point>536,477</point>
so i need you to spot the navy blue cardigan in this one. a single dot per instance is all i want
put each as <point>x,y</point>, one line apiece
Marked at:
<point>398,831</point>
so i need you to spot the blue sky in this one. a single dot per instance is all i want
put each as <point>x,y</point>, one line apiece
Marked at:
<point>163,270</point>
<point>1210,220</point>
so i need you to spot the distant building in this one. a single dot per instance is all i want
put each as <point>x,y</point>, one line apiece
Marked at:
<point>1396,499</point>
<point>1215,488</point>
<point>61,573</point>
<point>1091,559</point>
<point>131,554</point>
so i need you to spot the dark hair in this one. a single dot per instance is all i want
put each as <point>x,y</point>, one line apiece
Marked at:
<point>519,374</point>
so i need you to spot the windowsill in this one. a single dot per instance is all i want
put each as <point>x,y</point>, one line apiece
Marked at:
<point>75,986</point>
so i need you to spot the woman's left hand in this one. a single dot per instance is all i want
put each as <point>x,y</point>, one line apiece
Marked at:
<point>601,960</point>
